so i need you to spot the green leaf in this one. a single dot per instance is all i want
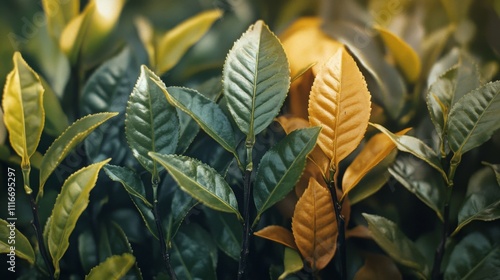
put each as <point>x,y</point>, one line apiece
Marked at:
<point>181,205</point>
<point>200,181</point>
<point>55,119</point>
<point>292,261</point>
<point>256,78</point>
<point>114,267</point>
<point>69,205</point>
<point>175,43</point>
<point>87,250</point>
<point>482,201</point>
<point>206,113</point>
<point>108,90</point>
<point>425,184</point>
<point>59,14</point>
<point>68,140</point>
<point>415,147</point>
<point>226,231</point>
<point>474,118</point>
<point>281,167</point>
<point>151,123</point>
<point>194,254</point>
<point>476,256</point>
<point>401,249</point>
<point>24,116</point>
<point>135,188</point>
<point>495,168</point>
<point>12,240</point>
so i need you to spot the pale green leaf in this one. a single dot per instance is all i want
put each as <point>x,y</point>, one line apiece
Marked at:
<point>24,115</point>
<point>474,118</point>
<point>113,268</point>
<point>151,123</point>
<point>200,181</point>
<point>415,147</point>
<point>475,257</point>
<point>69,205</point>
<point>256,78</point>
<point>482,200</point>
<point>292,262</point>
<point>206,113</point>
<point>68,140</point>
<point>281,167</point>
<point>12,241</point>
<point>401,249</point>
<point>175,43</point>
<point>59,14</point>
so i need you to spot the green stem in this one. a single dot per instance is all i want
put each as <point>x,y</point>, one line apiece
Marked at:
<point>36,222</point>
<point>161,235</point>
<point>247,232</point>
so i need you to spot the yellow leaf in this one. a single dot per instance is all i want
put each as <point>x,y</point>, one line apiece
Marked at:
<point>73,35</point>
<point>314,226</point>
<point>375,150</point>
<point>340,103</point>
<point>291,123</point>
<point>378,267</point>
<point>24,115</point>
<point>147,35</point>
<point>59,13</point>
<point>174,44</point>
<point>406,58</point>
<point>277,234</point>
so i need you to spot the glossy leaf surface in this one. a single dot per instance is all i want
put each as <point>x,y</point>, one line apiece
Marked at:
<point>114,268</point>
<point>415,147</point>
<point>277,234</point>
<point>200,181</point>
<point>69,205</point>
<point>280,168</point>
<point>151,123</point>
<point>67,141</point>
<point>175,43</point>
<point>406,58</point>
<point>21,245</point>
<point>206,113</point>
<point>474,118</point>
<point>401,249</point>
<point>256,78</point>
<point>314,226</point>
<point>375,150</point>
<point>22,102</point>
<point>340,103</point>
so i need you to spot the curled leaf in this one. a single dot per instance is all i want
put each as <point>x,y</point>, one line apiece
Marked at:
<point>277,234</point>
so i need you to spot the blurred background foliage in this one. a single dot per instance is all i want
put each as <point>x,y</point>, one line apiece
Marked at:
<point>435,30</point>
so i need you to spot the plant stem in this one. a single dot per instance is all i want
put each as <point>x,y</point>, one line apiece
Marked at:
<point>247,191</point>
<point>341,247</point>
<point>161,235</point>
<point>438,257</point>
<point>36,222</point>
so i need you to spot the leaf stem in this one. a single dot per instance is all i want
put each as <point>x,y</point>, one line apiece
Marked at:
<point>247,232</point>
<point>341,247</point>
<point>36,222</point>
<point>161,236</point>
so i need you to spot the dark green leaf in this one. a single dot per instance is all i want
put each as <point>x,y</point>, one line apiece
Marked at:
<point>482,201</point>
<point>425,184</point>
<point>181,204</point>
<point>415,147</point>
<point>87,250</point>
<point>108,90</point>
<point>476,256</point>
<point>496,169</point>
<point>68,140</point>
<point>151,123</point>
<point>401,249</point>
<point>256,78</point>
<point>200,181</point>
<point>206,113</point>
<point>135,188</point>
<point>281,167</point>
<point>474,118</point>
<point>226,231</point>
<point>194,254</point>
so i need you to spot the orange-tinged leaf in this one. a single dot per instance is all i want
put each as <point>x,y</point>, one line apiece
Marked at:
<point>377,148</point>
<point>310,171</point>
<point>314,226</point>
<point>290,123</point>
<point>277,234</point>
<point>360,231</point>
<point>406,58</point>
<point>340,103</point>
<point>378,266</point>
<point>299,94</point>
